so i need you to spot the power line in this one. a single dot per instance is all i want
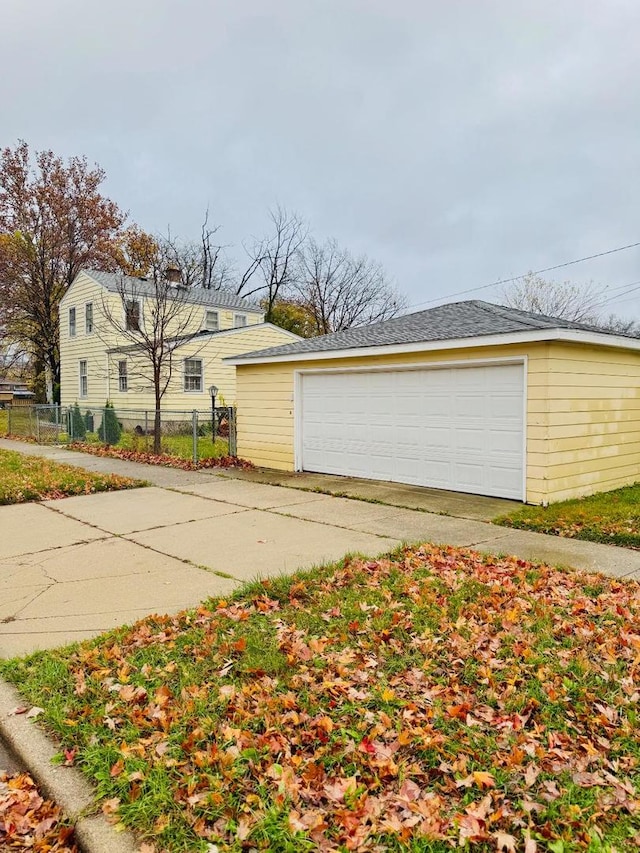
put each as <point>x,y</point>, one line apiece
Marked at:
<point>632,287</point>
<point>529,272</point>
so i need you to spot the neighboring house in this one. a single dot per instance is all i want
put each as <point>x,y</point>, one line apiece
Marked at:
<point>470,396</point>
<point>15,393</point>
<point>98,363</point>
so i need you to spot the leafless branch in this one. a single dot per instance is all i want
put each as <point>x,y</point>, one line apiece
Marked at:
<point>274,260</point>
<point>340,290</point>
<point>162,322</point>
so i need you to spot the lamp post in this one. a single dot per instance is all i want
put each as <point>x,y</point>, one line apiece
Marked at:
<point>213,391</point>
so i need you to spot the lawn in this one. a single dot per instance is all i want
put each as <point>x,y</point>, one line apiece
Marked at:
<point>611,517</point>
<point>425,701</point>
<point>177,445</point>
<point>32,478</point>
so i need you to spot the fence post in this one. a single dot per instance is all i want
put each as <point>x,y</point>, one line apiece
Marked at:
<point>194,424</point>
<point>233,439</point>
<point>9,420</point>
<point>37,426</point>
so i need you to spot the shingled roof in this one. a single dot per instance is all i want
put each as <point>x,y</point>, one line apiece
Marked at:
<point>115,282</point>
<point>471,319</point>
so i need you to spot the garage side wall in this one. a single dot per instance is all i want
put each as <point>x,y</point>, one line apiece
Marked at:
<point>594,420</point>
<point>265,398</point>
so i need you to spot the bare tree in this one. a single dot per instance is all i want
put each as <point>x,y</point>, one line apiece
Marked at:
<point>274,260</point>
<point>340,290</point>
<point>202,263</point>
<point>152,319</point>
<point>575,302</point>
<point>578,303</point>
<point>620,326</point>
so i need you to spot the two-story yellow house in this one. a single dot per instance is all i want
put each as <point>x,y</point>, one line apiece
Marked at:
<point>100,316</point>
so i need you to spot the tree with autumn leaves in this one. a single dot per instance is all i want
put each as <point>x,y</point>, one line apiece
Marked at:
<point>54,220</point>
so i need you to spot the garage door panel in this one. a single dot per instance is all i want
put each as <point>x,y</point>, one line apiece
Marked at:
<point>453,428</point>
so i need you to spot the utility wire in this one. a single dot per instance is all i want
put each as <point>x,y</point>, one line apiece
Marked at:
<point>632,287</point>
<point>529,272</point>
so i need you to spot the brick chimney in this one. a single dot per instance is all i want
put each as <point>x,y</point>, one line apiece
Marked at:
<point>172,274</point>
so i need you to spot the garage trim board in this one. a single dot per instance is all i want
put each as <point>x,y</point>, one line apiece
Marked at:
<point>434,437</point>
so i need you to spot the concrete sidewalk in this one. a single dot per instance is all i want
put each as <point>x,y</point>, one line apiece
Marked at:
<point>72,568</point>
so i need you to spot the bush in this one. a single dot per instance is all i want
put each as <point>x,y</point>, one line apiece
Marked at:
<point>78,427</point>
<point>109,431</point>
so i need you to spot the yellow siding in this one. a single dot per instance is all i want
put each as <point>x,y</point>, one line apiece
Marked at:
<point>211,349</point>
<point>91,347</point>
<point>594,431</point>
<point>583,413</point>
<point>103,369</point>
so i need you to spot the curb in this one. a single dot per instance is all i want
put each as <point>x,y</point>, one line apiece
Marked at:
<point>66,786</point>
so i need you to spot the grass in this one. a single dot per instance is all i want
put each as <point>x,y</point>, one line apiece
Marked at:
<point>432,699</point>
<point>177,445</point>
<point>609,517</point>
<point>32,478</point>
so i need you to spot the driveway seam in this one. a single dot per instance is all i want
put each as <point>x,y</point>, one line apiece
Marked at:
<point>335,524</point>
<point>145,529</point>
<point>230,502</point>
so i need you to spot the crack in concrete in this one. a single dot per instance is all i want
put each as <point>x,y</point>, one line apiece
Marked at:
<point>110,533</point>
<point>31,601</point>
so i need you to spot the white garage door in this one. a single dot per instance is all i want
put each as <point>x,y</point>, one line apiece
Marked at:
<point>450,428</point>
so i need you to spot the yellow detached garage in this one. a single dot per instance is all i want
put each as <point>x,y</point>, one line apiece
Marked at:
<point>470,397</point>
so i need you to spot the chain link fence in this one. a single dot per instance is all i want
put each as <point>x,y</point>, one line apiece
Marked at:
<point>193,434</point>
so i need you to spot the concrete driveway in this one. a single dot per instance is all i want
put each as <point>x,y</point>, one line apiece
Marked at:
<point>72,568</point>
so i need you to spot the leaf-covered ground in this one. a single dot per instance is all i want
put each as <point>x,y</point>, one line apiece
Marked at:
<point>165,459</point>
<point>610,517</point>
<point>426,701</point>
<point>30,822</point>
<point>32,478</point>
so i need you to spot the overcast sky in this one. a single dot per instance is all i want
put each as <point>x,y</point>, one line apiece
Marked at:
<point>456,142</point>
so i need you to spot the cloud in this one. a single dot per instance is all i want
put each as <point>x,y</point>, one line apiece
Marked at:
<point>457,143</point>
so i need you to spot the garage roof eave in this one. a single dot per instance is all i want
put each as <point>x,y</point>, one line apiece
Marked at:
<point>534,336</point>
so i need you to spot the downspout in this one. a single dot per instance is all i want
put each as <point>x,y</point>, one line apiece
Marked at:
<point>108,397</point>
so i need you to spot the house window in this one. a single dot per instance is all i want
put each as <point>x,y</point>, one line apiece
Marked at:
<point>84,383</point>
<point>239,320</point>
<point>132,315</point>
<point>193,380</point>
<point>72,322</point>
<point>88,318</point>
<point>211,321</point>
<point>123,384</point>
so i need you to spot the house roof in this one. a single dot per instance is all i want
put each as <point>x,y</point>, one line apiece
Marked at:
<point>179,340</point>
<point>114,282</point>
<point>456,320</point>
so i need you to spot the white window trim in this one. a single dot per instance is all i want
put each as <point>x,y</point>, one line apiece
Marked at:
<point>191,375</point>
<point>429,365</point>
<point>206,324</point>
<point>72,334</point>
<point>93,325</point>
<point>122,376</point>
<point>82,376</point>
<point>241,325</point>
